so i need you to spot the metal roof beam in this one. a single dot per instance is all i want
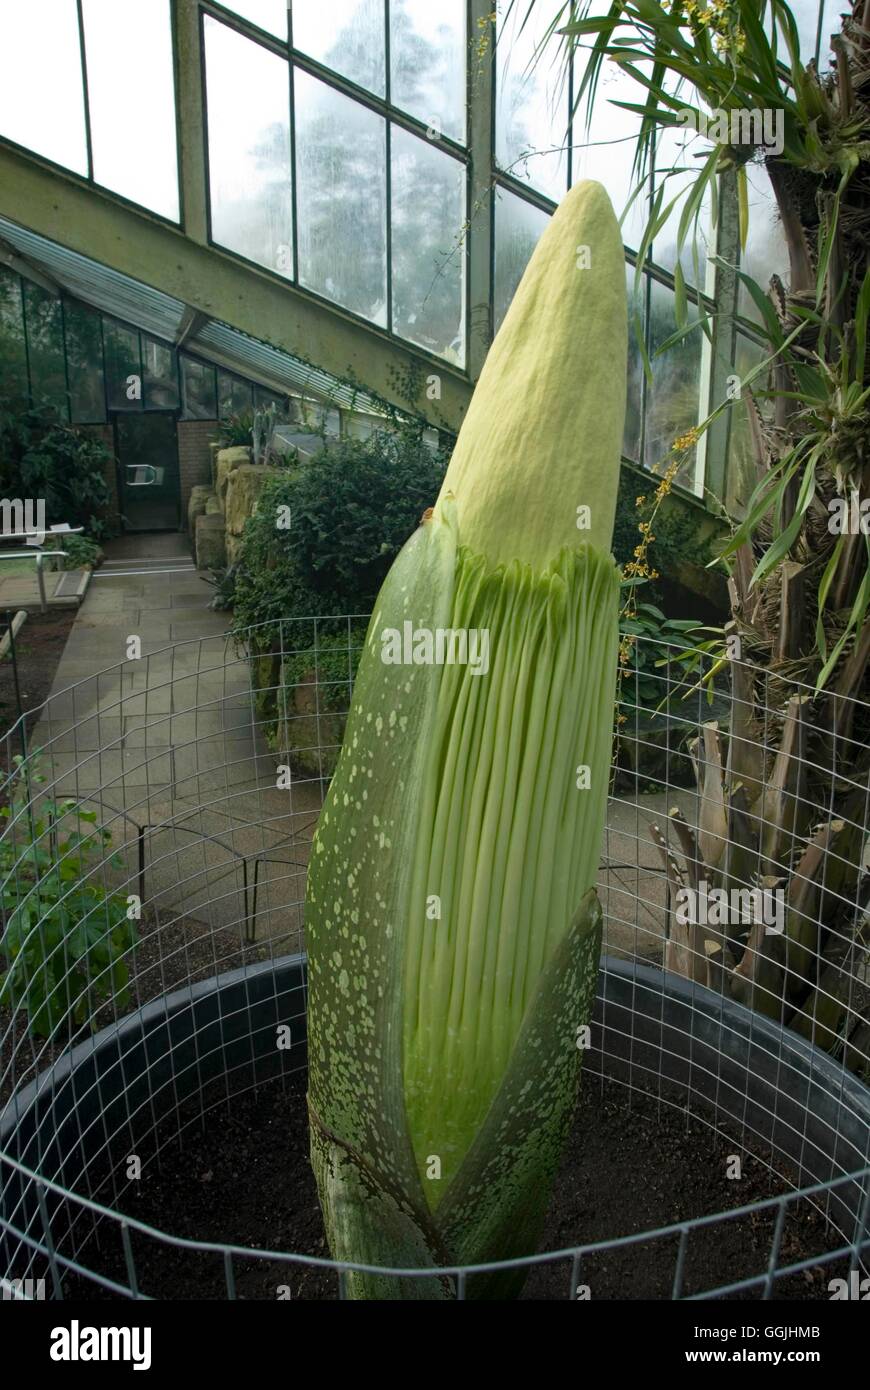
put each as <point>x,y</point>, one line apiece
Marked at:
<point>22,266</point>
<point>192,321</point>
<point>93,223</point>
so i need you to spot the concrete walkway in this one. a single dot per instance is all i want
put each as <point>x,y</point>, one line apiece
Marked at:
<point>166,746</point>
<point>168,749</point>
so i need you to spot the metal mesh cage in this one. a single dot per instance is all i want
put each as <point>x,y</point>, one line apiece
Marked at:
<point>159,818</point>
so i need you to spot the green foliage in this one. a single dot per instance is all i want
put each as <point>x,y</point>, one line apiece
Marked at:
<point>81,551</point>
<point>332,664</point>
<point>42,458</point>
<point>64,935</point>
<point>655,643</point>
<point>237,430</point>
<point>223,581</point>
<point>351,509</point>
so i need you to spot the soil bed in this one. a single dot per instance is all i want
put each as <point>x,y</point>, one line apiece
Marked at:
<point>244,1178</point>
<point>38,650</point>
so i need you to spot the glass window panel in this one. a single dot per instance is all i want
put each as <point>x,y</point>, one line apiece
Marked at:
<point>765,251</point>
<point>41,100</point>
<point>264,397</point>
<point>235,396</point>
<point>131,95</point>
<point>249,148</point>
<point>345,35</point>
<point>123,366</point>
<point>518,225</point>
<point>634,396</point>
<point>13,353</point>
<point>532,108</point>
<point>673,398</point>
<point>44,319</point>
<point>341,199</point>
<point>84,363</point>
<point>741,473</point>
<point>427,62</point>
<point>428,212</point>
<point>680,153</point>
<point>198,390</point>
<point>160,375</point>
<point>606,150</point>
<point>270,15</point>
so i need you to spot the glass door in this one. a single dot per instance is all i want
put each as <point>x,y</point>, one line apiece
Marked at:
<point>147,453</point>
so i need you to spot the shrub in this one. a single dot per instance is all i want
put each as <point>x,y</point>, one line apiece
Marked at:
<point>351,508</point>
<point>42,458</point>
<point>236,429</point>
<point>81,551</point>
<point>64,935</point>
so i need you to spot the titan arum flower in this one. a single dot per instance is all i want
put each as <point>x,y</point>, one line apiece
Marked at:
<point>453,931</point>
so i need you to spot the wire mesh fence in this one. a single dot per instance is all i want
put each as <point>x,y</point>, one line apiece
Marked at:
<point>159,818</point>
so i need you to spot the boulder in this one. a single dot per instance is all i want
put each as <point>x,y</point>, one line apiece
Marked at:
<point>213,506</point>
<point>199,495</point>
<point>243,489</point>
<point>227,461</point>
<point>210,543</point>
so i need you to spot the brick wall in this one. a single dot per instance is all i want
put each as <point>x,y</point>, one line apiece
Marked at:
<point>194,457</point>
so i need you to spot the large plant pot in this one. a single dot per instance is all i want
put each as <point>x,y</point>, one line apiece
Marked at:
<point>211,1040</point>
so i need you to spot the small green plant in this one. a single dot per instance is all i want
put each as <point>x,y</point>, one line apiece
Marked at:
<point>237,430</point>
<point>64,935</point>
<point>81,551</point>
<point>651,647</point>
<point>223,581</point>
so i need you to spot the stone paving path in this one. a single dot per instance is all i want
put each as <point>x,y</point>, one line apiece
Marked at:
<point>167,748</point>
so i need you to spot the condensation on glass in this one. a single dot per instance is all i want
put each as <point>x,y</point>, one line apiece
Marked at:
<point>250,179</point>
<point>532,109</point>
<point>347,36</point>
<point>518,227</point>
<point>673,395</point>
<point>341,199</point>
<point>427,63</point>
<point>428,212</point>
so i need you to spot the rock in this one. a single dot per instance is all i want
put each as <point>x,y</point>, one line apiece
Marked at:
<point>210,543</point>
<point>213,506</point>
<point>243,489</point>
<point>199,495</point>
<point>226,462</point>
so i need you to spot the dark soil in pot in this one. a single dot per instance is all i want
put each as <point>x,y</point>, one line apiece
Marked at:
<point>632,1164</point>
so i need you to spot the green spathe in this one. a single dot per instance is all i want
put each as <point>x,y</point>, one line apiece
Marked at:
<point>452,930</point>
